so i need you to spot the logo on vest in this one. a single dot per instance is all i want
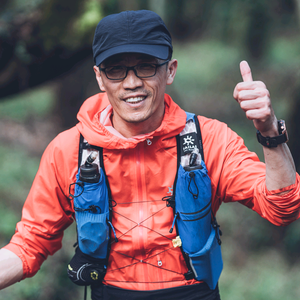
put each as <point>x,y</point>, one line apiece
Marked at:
<point>188,142</point>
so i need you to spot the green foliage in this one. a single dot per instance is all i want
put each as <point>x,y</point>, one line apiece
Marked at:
<point>200,63</point>
<point>8,221</point>
<point>89,19</point>
<point>17,166</point>
<point>285,51</point>
<point>31,103</point>
<point>58,15</point>
<point>17,172</point>
<point>292,241</point>
<point>25,6</point>
<point>265,275</point>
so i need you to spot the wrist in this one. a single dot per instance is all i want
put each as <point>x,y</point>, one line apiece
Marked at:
<point>272,129</point>
<point>273,137</point>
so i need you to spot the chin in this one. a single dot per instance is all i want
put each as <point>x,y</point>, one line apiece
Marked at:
<point>136,119</point>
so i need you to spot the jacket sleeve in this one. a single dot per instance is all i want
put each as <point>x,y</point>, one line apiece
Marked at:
<point>47,212</point>
<point>238,175</point>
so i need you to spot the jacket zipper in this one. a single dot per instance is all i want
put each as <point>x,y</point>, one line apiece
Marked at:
<point>141,209</point>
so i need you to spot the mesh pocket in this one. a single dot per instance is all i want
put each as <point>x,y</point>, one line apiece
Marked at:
<point>93,233</point>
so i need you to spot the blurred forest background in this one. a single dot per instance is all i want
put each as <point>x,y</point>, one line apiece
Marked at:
<point>46,73</point>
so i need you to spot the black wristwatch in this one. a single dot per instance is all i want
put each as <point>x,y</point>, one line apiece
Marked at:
<point>272,142</point>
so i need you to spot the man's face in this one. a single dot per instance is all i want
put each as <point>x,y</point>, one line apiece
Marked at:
<point>138,103</point>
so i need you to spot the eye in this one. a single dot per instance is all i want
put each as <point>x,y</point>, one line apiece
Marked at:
<point>145,67</point>
<point>115,69</point>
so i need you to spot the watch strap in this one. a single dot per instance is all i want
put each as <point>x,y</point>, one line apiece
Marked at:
<point>272,142</point>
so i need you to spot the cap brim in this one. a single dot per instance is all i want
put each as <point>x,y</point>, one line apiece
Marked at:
<point>159,51</point>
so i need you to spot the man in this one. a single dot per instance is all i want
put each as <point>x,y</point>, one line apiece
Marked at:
<point>136,124</point>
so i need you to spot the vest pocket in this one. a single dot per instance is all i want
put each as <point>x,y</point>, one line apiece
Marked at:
<point>200,239</point>
<point>92,215</point>
<point>193,206</point>
<point>207,263</point>
<point>93,233</point>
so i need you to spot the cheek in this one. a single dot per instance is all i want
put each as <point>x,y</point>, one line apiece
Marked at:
<point>158,86</point>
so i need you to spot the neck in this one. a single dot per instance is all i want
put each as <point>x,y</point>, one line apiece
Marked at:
<point>130,129</point>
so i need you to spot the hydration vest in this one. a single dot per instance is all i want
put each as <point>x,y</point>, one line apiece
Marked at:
<point>196,226</point>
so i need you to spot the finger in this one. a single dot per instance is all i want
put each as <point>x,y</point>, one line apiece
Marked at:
<point>253,94</point>
<point>260,103</point>
<point>245,71</point>
<point>250,85</point>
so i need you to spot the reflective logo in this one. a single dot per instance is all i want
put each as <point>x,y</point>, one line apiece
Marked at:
<point>188,140</point>
<point>188,143</point>
<point>94,275</point>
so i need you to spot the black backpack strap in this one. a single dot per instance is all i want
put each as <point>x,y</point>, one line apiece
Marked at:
<point>199,136</point>
<point>81,139</point>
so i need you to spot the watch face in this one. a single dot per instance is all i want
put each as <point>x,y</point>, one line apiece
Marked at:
<point>281,126</point>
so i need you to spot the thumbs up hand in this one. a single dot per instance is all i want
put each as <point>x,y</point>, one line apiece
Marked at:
<point>254,100</point>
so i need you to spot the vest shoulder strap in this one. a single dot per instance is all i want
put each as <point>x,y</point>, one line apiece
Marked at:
<point>189,139</point>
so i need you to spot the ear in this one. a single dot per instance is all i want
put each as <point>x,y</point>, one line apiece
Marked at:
<point>99,78</point>
<point>171,72</point>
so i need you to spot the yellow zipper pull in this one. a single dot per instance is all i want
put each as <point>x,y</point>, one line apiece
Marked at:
<point>177,242</point>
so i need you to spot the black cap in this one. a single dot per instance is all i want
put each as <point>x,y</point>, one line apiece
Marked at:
<point>141,31</point>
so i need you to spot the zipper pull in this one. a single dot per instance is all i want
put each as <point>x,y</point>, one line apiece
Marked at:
<point>113,229</point>
<point>176,215</point>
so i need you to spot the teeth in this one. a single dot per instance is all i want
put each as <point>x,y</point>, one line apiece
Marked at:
<point>135,99</point>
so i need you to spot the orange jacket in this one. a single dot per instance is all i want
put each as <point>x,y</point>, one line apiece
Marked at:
<point>141,172</point>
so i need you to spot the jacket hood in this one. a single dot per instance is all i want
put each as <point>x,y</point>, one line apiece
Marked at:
<point>96,134</point>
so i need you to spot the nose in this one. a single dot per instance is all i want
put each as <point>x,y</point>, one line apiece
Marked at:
<point>132,81</point>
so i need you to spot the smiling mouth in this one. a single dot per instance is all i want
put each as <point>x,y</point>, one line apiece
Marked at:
<point>135,99</point>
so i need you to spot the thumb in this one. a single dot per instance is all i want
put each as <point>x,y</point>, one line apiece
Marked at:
<point>245,71</point>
